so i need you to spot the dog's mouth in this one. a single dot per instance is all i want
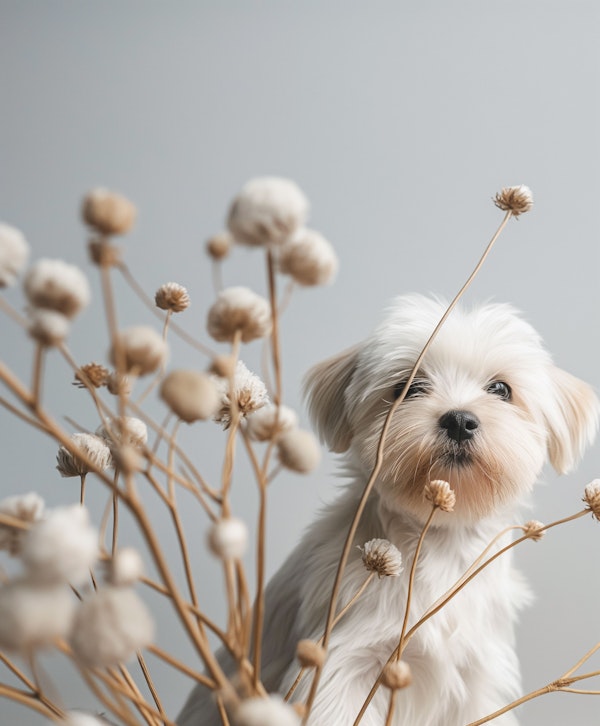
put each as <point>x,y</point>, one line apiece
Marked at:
<point>457,455</point>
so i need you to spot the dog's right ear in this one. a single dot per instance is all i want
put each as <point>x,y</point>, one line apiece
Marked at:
<point>324,388</point>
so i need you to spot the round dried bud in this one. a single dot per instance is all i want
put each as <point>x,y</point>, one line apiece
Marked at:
<point>92,374</point>
<point>190,395</point>
<point>48,327</point>
<point>439,493</point>
<point>228,538</point>
<point>222,366</point>
<point>248,392</point>
<point>310,654</point>
<point>218,246</point>
<point>103,253</point>
<point>119,383</point>
<point>591,497</point>
<point>142,348</point>
<point>127,458</point>
<point>80,718</point>
<point>14,253</point>
<point>110,626</point>
<point>270,421</point>
<point>26,507</point>
<point>309,258</point>
<point>56,285</point>
<point>396,675</point>
<point>268,210</point>
<point>517,200</point>
<point>299,451</point>
<point>173,297</point>
<point>95,450</point>
<point>382,557</point>
<point>34,615</point>
<point>108,212</point>
<point>126,567</point>
<point>239,309</point>
<point>534,530</point>
<point>268,711</point>
<point>126,430</point>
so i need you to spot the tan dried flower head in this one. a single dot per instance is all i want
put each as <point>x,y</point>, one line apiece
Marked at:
<point>396,675</point>
<point>108,212</point>
<point>591,497</point>
<point>93,447</point>
<point>271,421</point>
<point>310,654</point>
<point>382,557</point>
<point>119,383</point>
<point>191,395</point>
<point>143,350</point>
<point>532,529</point>
<point>93,374</point>
<point>26,507</point>
<point>228,538</point>
<point>48,327</point>
<point>103,253</point>
<point>267,711</point>
<point>517,200</point>
<point>309,258</point>
<point>218,246</point>
<point>222,366</point>
<point>14,253</point>
<point>173,297</point>
<point>268,210</point>
<point>128,430</point>
<point>249,394</point>
<point>56,285</point>
<point>439,493</point>
<point>299,451</point>
<point>239,309</point>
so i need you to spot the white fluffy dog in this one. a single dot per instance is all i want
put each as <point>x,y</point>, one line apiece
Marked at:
<point>486,410</point>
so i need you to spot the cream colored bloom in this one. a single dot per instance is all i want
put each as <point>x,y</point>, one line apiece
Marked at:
<point>299,451</point>
<point>14,253</point>
<point>249,394</point>
<point>382,557</point>
<point>268,210</point>
<point>239,309</point>
<point>439,493</point>
<point>396,675</point>
<point>48,327</point>
<point>126,430</point>
<point>309,258</point>
<point>268,711</point>
<point>191,395</point>
<point>93,447</point>
<point>126,567</point>
<point>56,285</point>
<point>218,246</point>
<point>592,497</point>
<point>228,538</point>
<point>142,348</point>
<point>108,212</point>
<point>517,199</point>
<point>172,296</point>
<point>310,654</point>
<point>270,421</point>
<point>28,508</point>
<point>531,530</point>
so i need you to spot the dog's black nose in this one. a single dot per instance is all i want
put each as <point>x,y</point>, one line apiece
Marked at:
<point>460,425</point>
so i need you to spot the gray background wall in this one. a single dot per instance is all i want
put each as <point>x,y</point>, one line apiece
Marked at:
<point>400,121</point>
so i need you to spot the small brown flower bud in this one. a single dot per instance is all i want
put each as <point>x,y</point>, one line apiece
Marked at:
<point>439,493</point>
<point>299,451</point>
<point>103,253</point>
<point>239,309</point>
<point>532,528</point>
<point>190,395</point>
<point>222,366</point>
<point>517,200</point>
<point>143,350</point>
<point>92,374</point>
<point>592,497</point>
<point>218,246</point>
<point>172,296</point>
<point>396,675</point>
<point>117,384</point>
<point>108,212</point>
<point>310,654</point>
<point>382,557</point>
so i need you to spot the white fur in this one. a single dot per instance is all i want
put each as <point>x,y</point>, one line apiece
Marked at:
<point>463,659</point>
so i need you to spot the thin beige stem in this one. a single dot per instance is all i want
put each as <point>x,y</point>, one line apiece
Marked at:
<point>259,603</point>
<point>133,693</point>
<point>82,490</point>
<point>43,698</point>
<point>582,660</point>
<point>38,372</point>
<point>275,346</point>
<point>180,666</point>
<point>217,276</point>
<point>163,366</point>
<point>30,700</point>
<point>23,416</point>
<point>391,708</point>
<point>151,686</point>
<point>19,319</point>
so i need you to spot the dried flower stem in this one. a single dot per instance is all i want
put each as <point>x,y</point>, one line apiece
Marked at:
<point>124,679</point>
<point>23,416</point>
<point>163,366</point>
<point>151,686</point>
<point>38,370</point>
<point>31,700</point>
<point>180,666</point>
<point>26,681</point>
<point>379,457</point>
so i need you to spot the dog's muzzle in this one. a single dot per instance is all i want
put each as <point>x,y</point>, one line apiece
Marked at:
<point>460,426</point>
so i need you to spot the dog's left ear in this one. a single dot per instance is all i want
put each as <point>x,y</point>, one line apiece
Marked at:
<point>574,422</point>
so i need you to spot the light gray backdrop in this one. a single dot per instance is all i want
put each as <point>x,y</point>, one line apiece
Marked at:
<point>400,121</point>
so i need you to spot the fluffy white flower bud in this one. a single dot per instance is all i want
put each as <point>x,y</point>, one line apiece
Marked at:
<point>267,210</point>
<point>126,430</point>
<point>309,258</point>
<point>382,557</point>
<point>61,547</point>
<point>299,451</point>
<point>47,326</point>
<point>249,393</point>
<point>269,711</point>
<point>191,395</point>
<point>94,448</point>
<point>56,285</point>
<point>239,309</point>
<point>79,718</point>
<point>26,507</point>
<point>143,350</point>
<point>14,253</point>
<point>228,538</point>
<point>271,421</point>
<point>126,567</point>
<point>172,296</point>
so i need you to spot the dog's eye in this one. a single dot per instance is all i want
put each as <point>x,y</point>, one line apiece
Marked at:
<point>501,389</point>
<point>418,387</point>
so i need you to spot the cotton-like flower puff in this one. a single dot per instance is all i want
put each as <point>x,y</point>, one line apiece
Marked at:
<point>48,327</point>
<point>108,212</point>
<point>94,448</point>
<point>92,374</point>
<point>28,508</point>
<point>56,285</point>
<point>239,309</point>
<point>118,383</point>
<point>191,395</point>
<point>126,567</point>
<point>228,538</point>
<point>268,210</point>
<point>270,421</point>
<point>14,253</point>
<point>218,246</point>
<point>592,497</point>
<point>126,430</point>
<point>310,654</point>
<point>173,297</point>
<point>439,493</point>
<point>110,626</point>
<point>249,394</point>
<point>309,258</point>
<point>33,614</point>
<point>396,675</point>
<point>142,348</point>
<point>299,451</point>
<point>269,711</point>
<point>518,199</point>
<point>79,718</point>
<point>531,530</point>
<point>61,547</point>
<point>382,557</point>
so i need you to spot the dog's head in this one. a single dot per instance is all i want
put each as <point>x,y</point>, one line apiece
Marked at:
<point>486,408</point>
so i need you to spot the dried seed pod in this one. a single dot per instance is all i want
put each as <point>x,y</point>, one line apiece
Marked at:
<point>299,451</point>
<point>108,212</point>
<point>191,395</point>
